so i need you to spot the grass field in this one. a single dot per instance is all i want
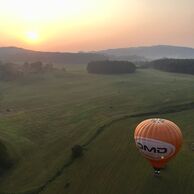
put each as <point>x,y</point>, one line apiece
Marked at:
<point>51,113</point>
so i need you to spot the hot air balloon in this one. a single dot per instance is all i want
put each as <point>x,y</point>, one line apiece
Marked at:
<point>158,140</point>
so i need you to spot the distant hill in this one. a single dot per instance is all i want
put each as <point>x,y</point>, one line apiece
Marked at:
<point>152,52</point>
<point>14,54</point>
<point>133,54</point>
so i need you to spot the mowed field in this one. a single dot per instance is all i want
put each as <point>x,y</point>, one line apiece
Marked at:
<point>50,113</point>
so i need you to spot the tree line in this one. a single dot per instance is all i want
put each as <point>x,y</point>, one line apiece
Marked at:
<point>111,67</point>
<point>173,65</point>
<point>10,71</point>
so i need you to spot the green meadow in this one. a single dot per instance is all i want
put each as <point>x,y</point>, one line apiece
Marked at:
<point>43,116</point>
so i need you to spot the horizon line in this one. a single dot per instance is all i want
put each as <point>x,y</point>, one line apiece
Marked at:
<point>100,50</point>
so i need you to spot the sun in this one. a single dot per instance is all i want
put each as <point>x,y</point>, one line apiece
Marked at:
<point>32,37</point>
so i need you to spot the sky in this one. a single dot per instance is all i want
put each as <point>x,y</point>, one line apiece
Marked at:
<point>85,25</point>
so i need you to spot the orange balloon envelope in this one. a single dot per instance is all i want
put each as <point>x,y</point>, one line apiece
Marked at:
<point>158,140</point>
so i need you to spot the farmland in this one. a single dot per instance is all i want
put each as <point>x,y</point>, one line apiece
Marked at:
<point>49,114</point>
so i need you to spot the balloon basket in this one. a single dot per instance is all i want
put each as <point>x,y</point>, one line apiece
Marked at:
<point>156,172</point>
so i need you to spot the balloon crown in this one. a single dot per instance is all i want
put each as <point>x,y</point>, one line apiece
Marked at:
<point>158,120</point>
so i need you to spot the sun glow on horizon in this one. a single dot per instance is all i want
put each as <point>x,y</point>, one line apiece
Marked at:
<point>32,37</point>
